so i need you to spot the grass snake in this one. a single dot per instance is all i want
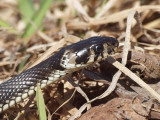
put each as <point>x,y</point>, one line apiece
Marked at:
<point>68,60</point>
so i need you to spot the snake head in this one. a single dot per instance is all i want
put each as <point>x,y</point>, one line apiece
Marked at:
<point>85,52</point>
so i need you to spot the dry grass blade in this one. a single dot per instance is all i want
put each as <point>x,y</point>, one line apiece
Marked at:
<point>80,9</point>
<point>118,74</point>
<point>134,77</point>
<point>44,36</point>
<point>106,7</point>
<point>6,63</point>
<point>64,102</point>
<point>60,44</point>
<point>116,17</point>
<point>78,88</point>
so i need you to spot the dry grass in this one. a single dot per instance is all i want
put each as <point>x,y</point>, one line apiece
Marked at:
<point>67,22</point>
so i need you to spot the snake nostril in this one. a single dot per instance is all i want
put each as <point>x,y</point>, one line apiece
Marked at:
<point>113,43</point>
<point>109,51</point>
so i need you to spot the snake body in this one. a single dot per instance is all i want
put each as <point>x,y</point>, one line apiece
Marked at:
<point>69,59</point>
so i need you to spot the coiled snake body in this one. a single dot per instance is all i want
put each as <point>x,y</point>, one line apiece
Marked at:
<point>69,59</point>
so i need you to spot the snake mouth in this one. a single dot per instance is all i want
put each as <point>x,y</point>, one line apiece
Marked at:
<point>112,51</point>
<point>97,56</point>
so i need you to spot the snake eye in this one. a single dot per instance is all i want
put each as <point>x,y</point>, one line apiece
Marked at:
<point>98,48</point>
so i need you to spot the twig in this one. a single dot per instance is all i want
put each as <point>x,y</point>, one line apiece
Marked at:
<point>134,77</point>
<point>118,74</point>
<point>64,103</point>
